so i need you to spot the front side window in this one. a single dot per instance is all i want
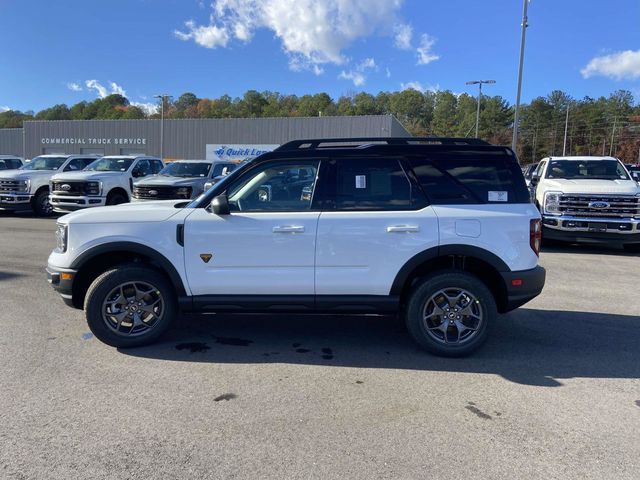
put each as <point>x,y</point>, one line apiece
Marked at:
<point>587,170</point>
<point>44,163</point>
<point>106,164</point>
<point>371,184</point>
<point>281,187</point>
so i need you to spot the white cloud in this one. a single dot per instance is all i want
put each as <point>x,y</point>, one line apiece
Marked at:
<point>357,74</point>
<point>209,36</point>
<point>102,91</point>
<point>425,55</point>
<point>4,108</point>
<point>74,87</point>
<point>312,32</point>
<point>403,35</point>
<point>388,73</point>
<point>147,108</point>
<point>619,66</point>
<point>415,85</point>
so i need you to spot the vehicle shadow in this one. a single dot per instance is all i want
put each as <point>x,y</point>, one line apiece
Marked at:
<point>588,249</point>
<point>527,346</point>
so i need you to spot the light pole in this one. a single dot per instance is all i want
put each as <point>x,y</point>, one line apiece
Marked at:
<point>525,24</point>
<point>479,83</point>
<point>162,98</point>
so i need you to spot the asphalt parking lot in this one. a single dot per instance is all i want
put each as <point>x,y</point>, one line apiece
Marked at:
<point>555,393</point>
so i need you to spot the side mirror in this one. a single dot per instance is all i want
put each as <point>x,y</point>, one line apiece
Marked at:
<point>220,205</point>
<point>535,179</point>
<point>636,176</point>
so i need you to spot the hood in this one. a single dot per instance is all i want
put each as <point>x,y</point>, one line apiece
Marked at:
<point>86,176</point>
<point>25,174</point>
<point>164,181</point>
<point>620,187</point>
<point>143,212</point>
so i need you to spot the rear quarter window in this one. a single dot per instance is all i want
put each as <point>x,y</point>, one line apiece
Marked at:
<point>471,177</point>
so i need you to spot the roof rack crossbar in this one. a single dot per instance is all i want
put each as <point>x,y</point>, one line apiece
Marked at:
<point>364,142</point>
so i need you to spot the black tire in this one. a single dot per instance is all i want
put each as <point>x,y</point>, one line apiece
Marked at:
<point>105,284</point>
<point>40,204</point>
<point>116,198</point>
<point>423,293</point>
<point>632,247</point>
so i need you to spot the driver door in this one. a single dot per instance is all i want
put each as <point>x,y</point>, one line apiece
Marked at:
<point>266,245</point>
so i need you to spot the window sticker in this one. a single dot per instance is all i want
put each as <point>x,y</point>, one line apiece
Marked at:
<point>361,181</point>
<point>498,196</point>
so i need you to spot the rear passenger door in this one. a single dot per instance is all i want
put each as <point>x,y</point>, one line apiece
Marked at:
<point>375,219</point>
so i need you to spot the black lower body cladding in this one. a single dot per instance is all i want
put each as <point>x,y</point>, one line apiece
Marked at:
<point>523,286</point>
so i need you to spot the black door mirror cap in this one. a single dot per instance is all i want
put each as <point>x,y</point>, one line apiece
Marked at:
<point>220,205</point>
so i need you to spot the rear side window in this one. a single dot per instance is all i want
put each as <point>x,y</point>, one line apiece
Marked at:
<point>471,177</point>
<point>372,184</point>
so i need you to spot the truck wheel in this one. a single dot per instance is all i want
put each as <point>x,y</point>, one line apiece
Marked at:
<point>130,306</point>
<point>41,205</point>
<point>116,199</point>
<point>632,247</point>
<point>449,313</point>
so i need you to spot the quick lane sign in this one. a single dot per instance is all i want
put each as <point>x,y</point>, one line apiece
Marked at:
<point>237,152</point>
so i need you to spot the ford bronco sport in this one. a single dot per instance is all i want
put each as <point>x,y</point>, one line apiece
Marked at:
<point>439,230</point>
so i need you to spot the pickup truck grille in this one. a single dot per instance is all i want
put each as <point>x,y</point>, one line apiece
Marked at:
<point>159,193</point>
<point>603,206</point>
<point>7,186</point>
<point>61,187</point>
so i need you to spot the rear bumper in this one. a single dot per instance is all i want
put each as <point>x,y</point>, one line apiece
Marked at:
<point>63,284</point>
<point>522,286</point>
<point>65,203</point>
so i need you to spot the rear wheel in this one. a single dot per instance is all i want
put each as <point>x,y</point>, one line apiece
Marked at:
<point>130,306</point>
<point>449,313</point>
<point>41,205</point>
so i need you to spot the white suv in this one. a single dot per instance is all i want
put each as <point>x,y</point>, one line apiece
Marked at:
<point>441,230</point>
<point>27,188</point>
<point>587,199</point>
<point>107,181</point>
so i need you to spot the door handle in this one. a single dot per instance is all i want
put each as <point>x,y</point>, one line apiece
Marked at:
<point>288,229</point>
<point>403,228</point>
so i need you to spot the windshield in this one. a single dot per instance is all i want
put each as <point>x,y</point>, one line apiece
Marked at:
<point>587,170</point>
<point>110,165</point>
<point>44,163</point>
<point>186,169</point>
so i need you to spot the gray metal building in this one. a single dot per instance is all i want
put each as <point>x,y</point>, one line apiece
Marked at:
<point>186,138</point>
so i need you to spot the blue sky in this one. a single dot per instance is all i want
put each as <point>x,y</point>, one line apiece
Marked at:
<point>71,50</point>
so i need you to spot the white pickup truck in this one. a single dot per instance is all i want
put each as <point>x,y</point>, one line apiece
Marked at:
<point>107,181</point>
<point>587,199</point>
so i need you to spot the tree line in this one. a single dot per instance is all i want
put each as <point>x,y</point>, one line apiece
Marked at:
<point>595,126</point>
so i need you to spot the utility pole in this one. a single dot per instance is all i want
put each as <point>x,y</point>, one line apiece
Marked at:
<point>514,142</point>
<point>613,132</point>
<point>566,126</point>
<point>479,83</point>
<point>163,98</point>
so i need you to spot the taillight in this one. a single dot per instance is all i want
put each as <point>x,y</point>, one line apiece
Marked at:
<point>535,235</point>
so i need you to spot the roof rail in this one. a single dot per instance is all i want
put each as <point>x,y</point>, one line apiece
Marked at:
<point>364,142</point>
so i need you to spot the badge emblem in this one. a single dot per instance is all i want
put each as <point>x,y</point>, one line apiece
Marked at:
<point>65,187</point>
<point>206,257</point>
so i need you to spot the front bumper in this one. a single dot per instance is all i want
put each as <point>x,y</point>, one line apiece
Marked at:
<point>15,201</point>
<point>522,286</point>
<point>61,279</point>
<point>591,230</point>
<point>67,203</point>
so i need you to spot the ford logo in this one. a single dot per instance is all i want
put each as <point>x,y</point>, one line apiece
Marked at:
<point>599,205</point>
<point>153,192</point>
<point>65,187</point>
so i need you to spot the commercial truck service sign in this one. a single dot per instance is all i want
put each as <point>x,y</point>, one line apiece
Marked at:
<point>237,153</point>
<point>93,141</point>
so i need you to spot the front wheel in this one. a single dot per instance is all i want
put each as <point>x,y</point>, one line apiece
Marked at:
<point>116,199</point>
<point>449,313</point>
<point>130,306</point>
<point>41,205</point>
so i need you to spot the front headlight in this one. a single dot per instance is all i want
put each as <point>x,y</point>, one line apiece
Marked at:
<point>94,188</point>
<point>26,185</point>
<point>61,237</point>
<point>552,203</point>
